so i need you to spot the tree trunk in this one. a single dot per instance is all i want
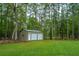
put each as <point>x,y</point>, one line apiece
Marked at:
<point>14,34</point>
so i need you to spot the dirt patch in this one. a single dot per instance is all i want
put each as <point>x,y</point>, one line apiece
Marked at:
<point>10,41</point>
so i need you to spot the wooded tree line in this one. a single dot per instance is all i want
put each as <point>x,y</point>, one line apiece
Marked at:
<point>55,20</point>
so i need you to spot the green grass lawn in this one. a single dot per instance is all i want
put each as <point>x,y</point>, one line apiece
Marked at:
<point>41,48</point>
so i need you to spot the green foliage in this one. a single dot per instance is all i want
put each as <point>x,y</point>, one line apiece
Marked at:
<point>54,20</point>
<point>33,24</point>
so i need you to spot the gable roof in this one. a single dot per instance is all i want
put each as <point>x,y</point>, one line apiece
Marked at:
<point>32,31</point>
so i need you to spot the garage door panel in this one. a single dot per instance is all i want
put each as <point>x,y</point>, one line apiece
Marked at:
<point>40,36</point>
<point>33,36</point>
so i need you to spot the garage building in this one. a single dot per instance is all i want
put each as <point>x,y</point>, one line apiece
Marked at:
<point>31,35</point>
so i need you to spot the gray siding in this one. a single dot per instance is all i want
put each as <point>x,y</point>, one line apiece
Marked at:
<point>31,35</point>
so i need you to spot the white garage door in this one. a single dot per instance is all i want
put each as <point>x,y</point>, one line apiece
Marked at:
<point>33,36</point>
<point>40,36</point>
